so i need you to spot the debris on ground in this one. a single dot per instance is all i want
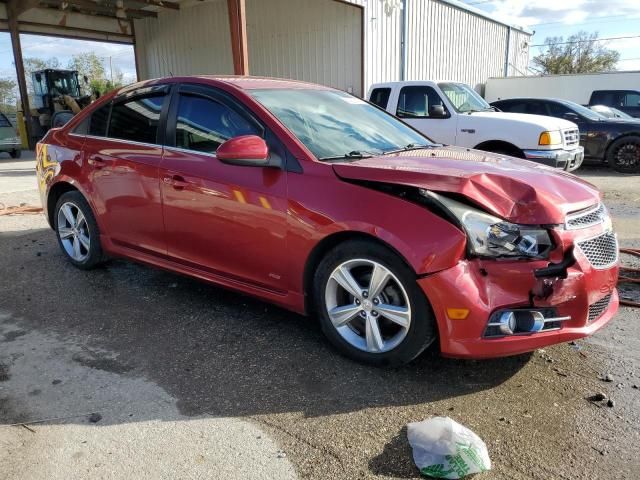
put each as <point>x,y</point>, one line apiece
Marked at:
<point>608,378</point>
<point>21,209</point>
<point>95,417</point>
<point>598,397</point>
<point>442,448</point>
<point>611,403</point>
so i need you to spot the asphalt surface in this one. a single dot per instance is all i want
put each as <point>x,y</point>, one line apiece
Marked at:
<point>186,380</point>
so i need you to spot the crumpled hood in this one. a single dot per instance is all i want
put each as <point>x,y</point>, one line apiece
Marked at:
<point>517,190</point>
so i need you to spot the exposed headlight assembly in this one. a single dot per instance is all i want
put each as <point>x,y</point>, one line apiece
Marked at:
<point>491,236</point>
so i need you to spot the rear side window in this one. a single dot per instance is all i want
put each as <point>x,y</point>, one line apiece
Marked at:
<point>632,99</point>
<point>98,121</point>
<point>380,97</point>
<point>136,120</point>
<point>4,121</point>
<point>204,124</point>
<point>415,101</point>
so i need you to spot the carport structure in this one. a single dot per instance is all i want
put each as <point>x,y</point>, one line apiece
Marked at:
<point>102,20</point>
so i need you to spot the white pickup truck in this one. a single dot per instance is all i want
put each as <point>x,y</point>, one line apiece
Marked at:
<point>453,113</point>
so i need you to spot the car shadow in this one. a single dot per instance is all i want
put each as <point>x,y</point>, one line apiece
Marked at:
<point>215,351</point>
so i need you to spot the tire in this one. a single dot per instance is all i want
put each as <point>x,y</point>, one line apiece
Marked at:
<point>399,341</point>
<point>624,155</point>
<point>15,153</point>
<point>80,244</point>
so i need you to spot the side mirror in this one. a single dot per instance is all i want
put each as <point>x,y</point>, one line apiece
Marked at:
<point>572,117</point>
<point>249,150</point>
<point>86,80</point>
<point>437,111</point>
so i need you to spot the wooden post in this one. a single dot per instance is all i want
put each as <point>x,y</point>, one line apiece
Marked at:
<point>12,14</point>
<point>238,27</point>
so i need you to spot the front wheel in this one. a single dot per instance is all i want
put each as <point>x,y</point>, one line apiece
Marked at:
<point>624,155</point>
<point>15,153</point>
<point>370,305</point>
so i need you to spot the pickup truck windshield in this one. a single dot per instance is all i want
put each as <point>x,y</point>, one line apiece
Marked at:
<point>334,124</point>
<point>464,98</point>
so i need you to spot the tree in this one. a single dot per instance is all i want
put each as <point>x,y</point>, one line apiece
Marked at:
<point>581,53</point>
<point>91,66</point>
<point>7,95</point>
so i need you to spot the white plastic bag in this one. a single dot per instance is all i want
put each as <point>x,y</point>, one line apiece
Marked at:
<point>442,448</point>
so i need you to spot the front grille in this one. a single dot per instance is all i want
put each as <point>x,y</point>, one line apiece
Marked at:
<point>571,137</point>
<point>601,251</point>
<point>586,218</point>
<point>598,308</point>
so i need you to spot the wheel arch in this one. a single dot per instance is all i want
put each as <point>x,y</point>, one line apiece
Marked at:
<point>500,145</point>
<point>607,150</point>
<point>328,243</point>
<point>55,192</point>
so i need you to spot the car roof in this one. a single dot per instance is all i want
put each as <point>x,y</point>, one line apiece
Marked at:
<point>240,82</point>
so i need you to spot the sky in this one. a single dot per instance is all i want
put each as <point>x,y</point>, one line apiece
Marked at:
<point>46,47</point>
<point>562,18</point>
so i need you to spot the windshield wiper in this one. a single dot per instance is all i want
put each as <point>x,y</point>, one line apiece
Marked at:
<point>355,154</point>
<point>411,146</point>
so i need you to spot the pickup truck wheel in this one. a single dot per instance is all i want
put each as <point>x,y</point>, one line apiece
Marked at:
<point>15,153</point>
<point>370,305</point>
<point>624,155</point>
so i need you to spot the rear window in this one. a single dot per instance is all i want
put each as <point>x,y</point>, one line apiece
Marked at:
<point>4,121</point>
<point>380,97</point>
<point>136,120</point>
<point>98,121</point>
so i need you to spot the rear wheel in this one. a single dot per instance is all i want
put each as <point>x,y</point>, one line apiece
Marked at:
<point>15,153</point>
<point>624,155</point>
<point>370,305</point>
<point>77,231</point>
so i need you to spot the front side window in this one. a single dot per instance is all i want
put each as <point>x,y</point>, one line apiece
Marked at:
<point>415,101</point>
<point>136,120</point>
<point>332,123</point>
<point>204,124</point>
<point>98,121</point>
<point>380,97</point>
<point>559,109</point>
<point>4,121</point>
<point>464,98</point>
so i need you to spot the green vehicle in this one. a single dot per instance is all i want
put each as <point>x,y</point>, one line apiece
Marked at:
<point>9,138</point>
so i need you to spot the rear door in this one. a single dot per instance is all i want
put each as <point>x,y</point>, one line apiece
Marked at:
<point>123,151</point>
<point>228,220</point>
<point>414,103</point>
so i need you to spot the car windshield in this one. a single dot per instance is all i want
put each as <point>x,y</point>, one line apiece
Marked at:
<point>609,112</point>
<point>463,98</point>
<point>63,83</point>
<point>334,124</point>
<point>584,111</point>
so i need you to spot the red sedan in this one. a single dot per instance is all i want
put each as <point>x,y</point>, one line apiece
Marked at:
<point>322,203</point>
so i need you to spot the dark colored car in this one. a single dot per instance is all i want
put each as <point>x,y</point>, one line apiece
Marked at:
<point>614,141</point>
<point>627,101</point>
<point>318,201</point>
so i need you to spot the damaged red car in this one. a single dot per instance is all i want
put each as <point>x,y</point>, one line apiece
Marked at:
<point>317,201</point>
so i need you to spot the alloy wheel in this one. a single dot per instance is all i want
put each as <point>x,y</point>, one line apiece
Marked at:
<point>367,305</point>
<point>628,156</point>
<point>73,231</point>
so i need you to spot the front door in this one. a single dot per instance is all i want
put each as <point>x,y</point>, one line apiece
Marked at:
<point>123,153</point>
<point>414,107</point>
<point>229,220</point>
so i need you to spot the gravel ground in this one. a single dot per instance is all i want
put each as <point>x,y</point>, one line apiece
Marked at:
<point>202,382</point>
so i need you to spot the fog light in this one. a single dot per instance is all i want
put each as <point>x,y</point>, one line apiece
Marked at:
<point>523,321</point>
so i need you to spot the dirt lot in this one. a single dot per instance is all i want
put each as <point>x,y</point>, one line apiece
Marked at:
<point>131,372</point>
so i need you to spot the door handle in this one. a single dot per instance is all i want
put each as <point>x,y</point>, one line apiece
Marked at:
<point>96,162</point>
<point>176,181</point>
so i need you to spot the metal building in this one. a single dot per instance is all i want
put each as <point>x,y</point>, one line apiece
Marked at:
<point>345,44</point>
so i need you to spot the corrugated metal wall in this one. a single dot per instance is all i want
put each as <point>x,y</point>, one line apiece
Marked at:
<point>193,40</point>
<point>312,40</point>
<point>320,41</point>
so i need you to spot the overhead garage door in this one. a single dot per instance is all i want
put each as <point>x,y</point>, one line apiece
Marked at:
<point>314,40</point>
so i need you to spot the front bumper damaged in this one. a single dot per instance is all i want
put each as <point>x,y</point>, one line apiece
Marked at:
<point>516,306</point>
